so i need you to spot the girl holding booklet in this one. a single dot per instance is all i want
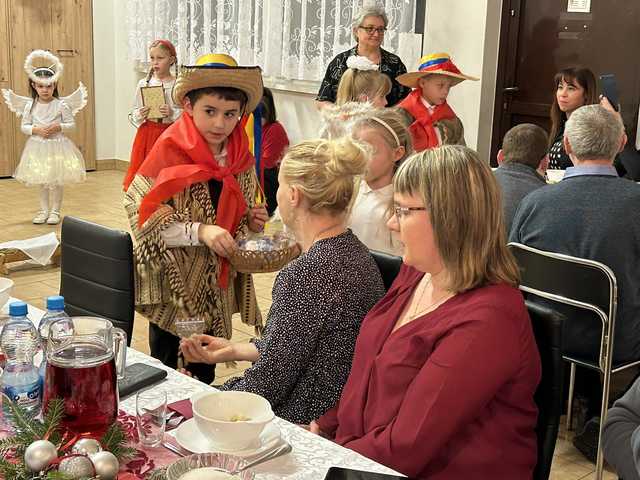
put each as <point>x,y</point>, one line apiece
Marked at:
<point>162,55</point>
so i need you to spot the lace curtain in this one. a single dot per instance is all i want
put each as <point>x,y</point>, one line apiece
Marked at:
<point>289,39</point>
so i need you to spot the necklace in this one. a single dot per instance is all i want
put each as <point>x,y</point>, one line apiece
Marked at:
<point>324,230</point>
<point>429,307</point>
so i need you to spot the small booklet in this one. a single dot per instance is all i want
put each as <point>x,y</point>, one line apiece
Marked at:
<point>153,97</point>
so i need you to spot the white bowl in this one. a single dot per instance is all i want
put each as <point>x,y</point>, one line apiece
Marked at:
<point>213,413</point>
<point>6,285</point>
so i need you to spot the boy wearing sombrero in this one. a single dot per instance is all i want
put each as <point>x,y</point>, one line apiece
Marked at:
<point>193,194</point>
<point>432,121</point>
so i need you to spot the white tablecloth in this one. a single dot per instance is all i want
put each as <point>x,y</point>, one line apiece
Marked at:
<point>311,456</point>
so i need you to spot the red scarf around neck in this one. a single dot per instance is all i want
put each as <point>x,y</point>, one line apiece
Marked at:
<point>181,157</point>
<point>422,131</point>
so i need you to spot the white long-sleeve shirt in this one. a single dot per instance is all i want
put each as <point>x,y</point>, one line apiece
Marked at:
<point>44,114</point>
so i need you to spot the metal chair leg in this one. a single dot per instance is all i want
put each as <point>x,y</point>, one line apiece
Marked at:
<point>572,382</point>
<point>606,386</point>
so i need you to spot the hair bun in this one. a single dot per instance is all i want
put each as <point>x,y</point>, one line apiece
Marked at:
<point>346,157</point>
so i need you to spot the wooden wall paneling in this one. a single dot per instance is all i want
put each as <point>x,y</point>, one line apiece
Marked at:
<point>5,59</point>
<point>7,135</point>
<point>30,22</point>
<point>72,38</point>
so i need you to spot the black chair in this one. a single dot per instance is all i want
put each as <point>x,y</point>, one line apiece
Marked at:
<point>389,266</point>
<point>97,272</point>
<point>547,328</point>
<point>583,284</point>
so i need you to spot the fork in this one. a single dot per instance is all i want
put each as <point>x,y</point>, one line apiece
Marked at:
<point>174,421</point>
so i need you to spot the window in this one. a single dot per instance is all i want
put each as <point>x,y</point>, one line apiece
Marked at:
<point>292,40</point>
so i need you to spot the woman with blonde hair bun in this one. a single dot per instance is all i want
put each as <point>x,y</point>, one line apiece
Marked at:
<point>319,300</point>
<point>446,365</point>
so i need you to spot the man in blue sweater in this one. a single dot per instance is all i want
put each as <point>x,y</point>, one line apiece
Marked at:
<point>594,214</point>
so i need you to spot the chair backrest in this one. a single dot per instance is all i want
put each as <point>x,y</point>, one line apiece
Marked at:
<point>547,329</point>
<point>389,266</point>
<point>579,282</point>
<point>97,272</point>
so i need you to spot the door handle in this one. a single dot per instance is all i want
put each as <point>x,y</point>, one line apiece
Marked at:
<point>511,89</point>
<point>66,52</point>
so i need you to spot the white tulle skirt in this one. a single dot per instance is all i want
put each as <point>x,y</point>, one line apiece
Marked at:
<point>50,161</point>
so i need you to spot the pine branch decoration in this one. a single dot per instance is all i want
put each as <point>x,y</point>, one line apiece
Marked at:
<point>115,440</point>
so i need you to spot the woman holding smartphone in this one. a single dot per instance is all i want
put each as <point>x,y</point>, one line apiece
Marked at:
<point>576,87</point>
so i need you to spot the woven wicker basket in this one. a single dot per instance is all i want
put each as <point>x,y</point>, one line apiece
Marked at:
<point>254,261</point>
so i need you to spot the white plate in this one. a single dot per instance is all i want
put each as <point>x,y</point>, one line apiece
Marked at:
<point>188,436</point>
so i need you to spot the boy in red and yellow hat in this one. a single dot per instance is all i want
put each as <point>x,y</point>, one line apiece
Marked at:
<point>432,121</point>
<point>193,195</point>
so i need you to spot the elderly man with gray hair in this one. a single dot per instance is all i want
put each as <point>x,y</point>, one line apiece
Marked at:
<point>594,214</point>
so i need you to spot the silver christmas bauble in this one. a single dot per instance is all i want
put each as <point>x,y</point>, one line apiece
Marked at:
<point>39,455</point>
<point>106,465</point>
<point>86,446</point>
<point>77,467</point>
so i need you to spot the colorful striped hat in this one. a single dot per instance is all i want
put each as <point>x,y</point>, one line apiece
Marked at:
<point>219,70</point>
<point>439,63</point>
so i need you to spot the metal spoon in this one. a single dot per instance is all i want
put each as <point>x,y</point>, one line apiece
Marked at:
<point>270,455</point>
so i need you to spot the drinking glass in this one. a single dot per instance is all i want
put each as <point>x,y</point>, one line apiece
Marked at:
<point>185,327</point>
<point>151,416</point>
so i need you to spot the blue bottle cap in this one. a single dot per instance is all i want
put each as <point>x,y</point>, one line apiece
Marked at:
<point>55,302</point>
<point>17,309</point>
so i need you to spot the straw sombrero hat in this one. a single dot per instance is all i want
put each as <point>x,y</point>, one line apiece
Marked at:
<point>219,70</point>
<point>439,63</point>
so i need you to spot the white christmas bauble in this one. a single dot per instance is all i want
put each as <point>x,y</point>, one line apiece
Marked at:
<point>86,446</point>
<point>106,465</point>
<point>39,455</point>
<point>77,467</point>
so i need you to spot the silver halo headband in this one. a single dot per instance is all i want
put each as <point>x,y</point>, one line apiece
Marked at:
<point>386,125</point>
<point>55,66</point>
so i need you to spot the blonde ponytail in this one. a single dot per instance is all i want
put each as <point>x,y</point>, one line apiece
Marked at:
<point>355,83</point>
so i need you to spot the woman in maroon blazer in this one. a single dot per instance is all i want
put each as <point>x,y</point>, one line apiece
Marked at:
<point>446,364</point>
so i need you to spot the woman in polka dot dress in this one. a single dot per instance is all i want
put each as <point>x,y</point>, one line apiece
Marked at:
<point>304,357</point>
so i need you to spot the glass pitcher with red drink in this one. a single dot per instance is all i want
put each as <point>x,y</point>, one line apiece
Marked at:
<point>85,357</point>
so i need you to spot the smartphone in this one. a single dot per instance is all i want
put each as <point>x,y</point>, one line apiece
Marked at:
<point>339,473</point>
<point>610,89</point>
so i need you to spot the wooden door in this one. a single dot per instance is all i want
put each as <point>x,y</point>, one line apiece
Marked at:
<point>65,28</point>
<point>72,41</point>
<point>7,131</point>
<point>539,37</point>
<point>29,29</point>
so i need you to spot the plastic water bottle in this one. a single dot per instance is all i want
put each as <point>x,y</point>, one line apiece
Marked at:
<point>20,341</point>
<point>55,312</point>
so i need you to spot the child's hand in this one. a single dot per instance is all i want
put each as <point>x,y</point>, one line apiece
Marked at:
<point>257,217</point>
<point>144,112</point>
<point>40,131</point>
<point>217,239</point>
<point>165,110</point>
<point>52,129</point>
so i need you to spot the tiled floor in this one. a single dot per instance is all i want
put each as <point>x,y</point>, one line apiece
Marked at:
<point>100,200</point>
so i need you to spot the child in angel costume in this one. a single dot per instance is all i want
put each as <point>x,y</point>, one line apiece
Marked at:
<point>49,159</point>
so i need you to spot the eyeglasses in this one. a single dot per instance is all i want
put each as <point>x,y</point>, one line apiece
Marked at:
<point>400,212</point>
<point>372,30</point>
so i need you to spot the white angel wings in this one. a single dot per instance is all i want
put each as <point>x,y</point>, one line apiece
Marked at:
<point>17,103</point>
